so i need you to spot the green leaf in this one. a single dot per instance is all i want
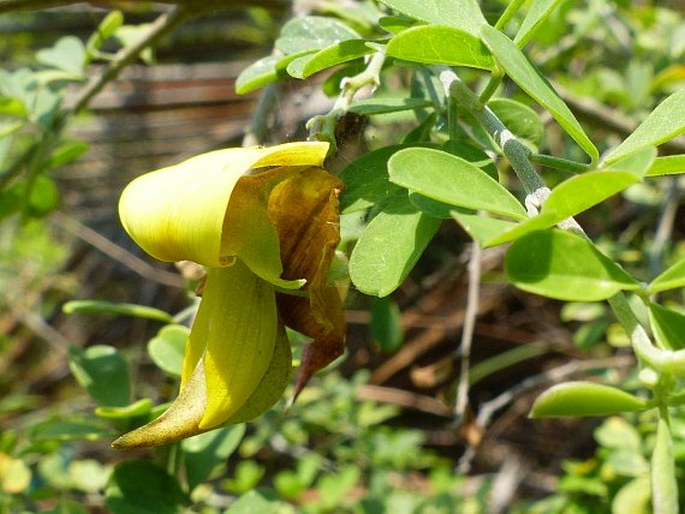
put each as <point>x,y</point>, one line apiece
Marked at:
<point>257,75</point>
<point>69,431</point>
<point>103,372</point>
<point>205,452</point>
<point>66,152</point>
<point>583,191</point>
<point>452,180</point>
<point>633,498</point>
<point>421,133</point>
<point>663,473</point>
<point>125,309</point>
<point>372,106</point>
<point>521,71</point>
<point>67,54</point>
<point>167,348</point>
<point>106,29</point>
<point>394,24</point>
<point>136,410</point>
<point>13,107</point>
<point>668,327</point>
<point>667,165</point>
<point>44,196</point>
<point>258,500</point>
<point>390,246</point>
<point>523,121</point>
<point>340,53</point>
<point>564,266</point>
<point>473,155</point>
<point>672,278</point>
<point>366,180</point>
<point>463,14</point>
<point>432,207</point>
<point>312,33</point>
<point>435,44</point>
<point>482,228</point>
<point>665,122</point>
<point>386,324</point>
<point>539,11</point>
<point>141,487</point>
<point>572,399</point>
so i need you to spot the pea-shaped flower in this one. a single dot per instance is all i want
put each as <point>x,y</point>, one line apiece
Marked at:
<point>264,222</point>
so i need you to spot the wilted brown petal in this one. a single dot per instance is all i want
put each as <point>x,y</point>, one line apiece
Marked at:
<point>304,209</point>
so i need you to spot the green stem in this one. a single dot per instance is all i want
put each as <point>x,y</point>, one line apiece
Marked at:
<point>660,360</point>
<point>161,26</point>
<point>559,163</point>
<point>322,127</point>
<point>491,87</point>
<point>509,13</point>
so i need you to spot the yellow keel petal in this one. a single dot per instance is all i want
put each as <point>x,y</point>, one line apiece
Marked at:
<point>238,323</point>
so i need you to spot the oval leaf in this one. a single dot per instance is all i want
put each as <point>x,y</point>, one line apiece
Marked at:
<point>342,52</point>
<point>672,278</point>
<point>665,122</point>
<point>390,246</point>
<point>572,399</point>
<point>564,266</point>
<point>103,372</point>
<point>434,44</point>
<point>523,121</point>
<point>521,71</point>
<point>167,347</point>
<point>463,14</point>
<point>452,180</point>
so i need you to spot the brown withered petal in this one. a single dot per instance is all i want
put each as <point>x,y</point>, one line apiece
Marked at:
<point>304,209</point>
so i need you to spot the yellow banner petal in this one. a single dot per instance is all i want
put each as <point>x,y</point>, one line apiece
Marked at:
<point>177,213</point>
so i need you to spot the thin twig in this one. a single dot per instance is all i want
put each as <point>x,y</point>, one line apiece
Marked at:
<point>664,229</point>
<point>158,28</point>
<point>116,252</point>
<point>488,409</point>
<point>470,315</point>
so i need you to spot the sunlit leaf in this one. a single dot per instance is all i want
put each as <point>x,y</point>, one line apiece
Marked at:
<point>564,266</point>
<point>312,33</point>
<point>538,12</point>
<point>667,165</point>
<point>572,399</point>
<point>665,122</point>
<point>452,180</point>
<point>463,14</point>
<point>166,349</point>
<point>435,44</point>
<point>339,53</point>
<point>672,278</point>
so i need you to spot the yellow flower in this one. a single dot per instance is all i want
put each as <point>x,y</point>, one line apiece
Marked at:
<point>264,222</point>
